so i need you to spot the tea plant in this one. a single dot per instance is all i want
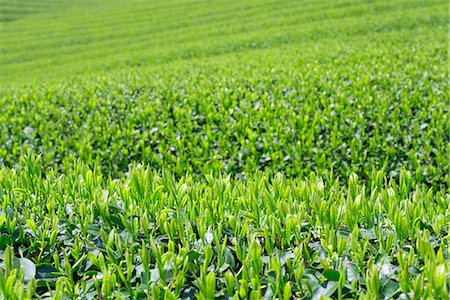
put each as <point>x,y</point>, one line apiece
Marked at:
<point>238,121</point>
<point>361,97</point>
<point>148,235</point>
<point>224,149</point>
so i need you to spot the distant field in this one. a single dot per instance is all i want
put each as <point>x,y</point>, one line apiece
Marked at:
<point>224,149</point>
<point>50,39</point>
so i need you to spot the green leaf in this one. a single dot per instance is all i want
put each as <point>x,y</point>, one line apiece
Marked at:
<point>326,291</point>
<point>29,268</point>
<point>5,240</point>
<point>331,275</point>
<point>352,272</point>
<point>32,225</point>
<point>45,271</point>
<point>390,289</point>
<point>154,275</point>
<point>193,255</point>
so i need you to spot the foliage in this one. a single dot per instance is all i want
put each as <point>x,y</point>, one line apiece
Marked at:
<point>224,149</point>
<point>149,235</point>
<point>358,103</point>
<point>291,119</point>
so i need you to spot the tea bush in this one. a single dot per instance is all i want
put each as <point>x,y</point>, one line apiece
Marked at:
<point>226,149</point>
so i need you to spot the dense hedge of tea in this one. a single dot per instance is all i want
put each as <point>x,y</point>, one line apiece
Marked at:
<point>286,149</point>
<point>363,97</point>
<point>149,235</point>
<point>60,38</point>
<point>343,113</point>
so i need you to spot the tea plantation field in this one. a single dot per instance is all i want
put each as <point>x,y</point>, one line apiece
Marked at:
<point>224,149</point>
